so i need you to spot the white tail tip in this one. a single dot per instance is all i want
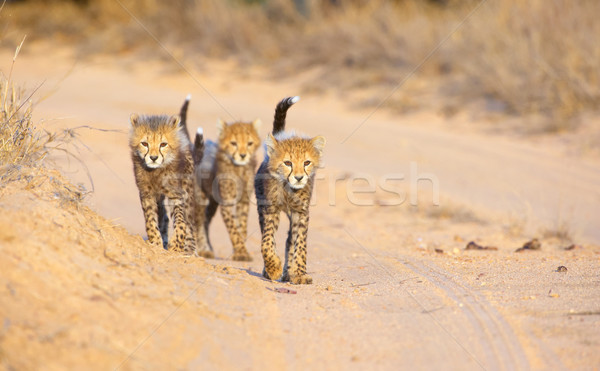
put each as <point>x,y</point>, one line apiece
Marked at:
<point>295,99</point>
<point>199,131</point>
<point>188,97</point>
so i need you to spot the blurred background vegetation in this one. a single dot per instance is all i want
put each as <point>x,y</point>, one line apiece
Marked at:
<point>536,58</point>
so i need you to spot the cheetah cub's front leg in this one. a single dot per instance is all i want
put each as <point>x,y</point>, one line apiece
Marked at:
<point>239,248</point>
<point>269,223</point>
<point>295,267</point>
<point>178,242</point>
<point>150,207</point>
<point>230,208</point>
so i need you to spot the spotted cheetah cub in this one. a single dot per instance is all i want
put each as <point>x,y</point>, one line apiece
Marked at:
<point>226,174</point>
<point>164,170</point>
<point>284,182</point>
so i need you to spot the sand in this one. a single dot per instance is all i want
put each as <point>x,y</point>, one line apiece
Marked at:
<point>394,286</point>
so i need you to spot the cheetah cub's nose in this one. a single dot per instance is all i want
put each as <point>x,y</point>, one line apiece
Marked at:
<point>243,156</point>
<point>154,158</point>
<point>299,177</point>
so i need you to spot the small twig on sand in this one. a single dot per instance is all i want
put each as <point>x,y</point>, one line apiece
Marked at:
<point>406,279</point>
<point>362,284</point>
<point>115,261</point>
<point>282,290</point>
<point>432,310</point>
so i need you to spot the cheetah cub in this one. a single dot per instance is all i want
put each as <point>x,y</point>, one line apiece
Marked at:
<point>164,170</point>
<point>284,182</point>
<point>226,174</point>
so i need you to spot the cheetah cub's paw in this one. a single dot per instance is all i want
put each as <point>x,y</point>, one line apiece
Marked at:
<point>300,279</point>
<point>241,256</point>
<point>206,254</point>
<point>273,269</point>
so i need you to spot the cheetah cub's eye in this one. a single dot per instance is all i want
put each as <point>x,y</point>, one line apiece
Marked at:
<point>288,163</point>
<point>250,143</point>
<point>163,145</point>
<point>145,144</point>
<point>306,163</point>
<point>233,143</point>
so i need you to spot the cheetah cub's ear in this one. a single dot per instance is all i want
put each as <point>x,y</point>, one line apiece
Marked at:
<point>174,121</point>
<point>270,144</point>
<point>257,124</point>
<point>134,119</point>
<point>318,143</point>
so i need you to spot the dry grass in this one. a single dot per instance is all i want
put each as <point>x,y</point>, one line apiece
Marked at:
<point>536,58</point>
<point>25,147</point>
<point>21,142</point>
<point>456,213</point>
<point>562,231</point>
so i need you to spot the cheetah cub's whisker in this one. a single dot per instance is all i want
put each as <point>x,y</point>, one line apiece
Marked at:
<point>163,166</point>
<point>284,182</point>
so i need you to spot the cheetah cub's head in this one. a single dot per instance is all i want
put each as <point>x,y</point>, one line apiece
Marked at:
<point>239,140</point>
<point>155,139</point>
<point>294,160</point>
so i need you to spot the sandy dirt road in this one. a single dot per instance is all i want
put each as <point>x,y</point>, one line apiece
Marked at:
<point>393,286</point>
<point>540,185</point>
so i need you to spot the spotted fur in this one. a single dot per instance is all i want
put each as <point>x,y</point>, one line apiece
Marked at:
<point>164,171</point>
<point>226,174</point>
<point>284,183</point>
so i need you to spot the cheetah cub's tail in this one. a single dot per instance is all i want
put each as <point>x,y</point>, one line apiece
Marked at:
<point>198,152</point>
<point>183,115</point>
<point>281,112</point>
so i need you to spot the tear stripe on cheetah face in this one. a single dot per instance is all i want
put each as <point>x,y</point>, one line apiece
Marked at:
<point>226,173</point>
<point>156,139</point>
<point>239,140</point>
<point>293,159</point>
<point>284,183</point>
<point>164,172</point>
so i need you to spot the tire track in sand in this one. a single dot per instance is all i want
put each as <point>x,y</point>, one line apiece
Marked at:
<point>504,351</point>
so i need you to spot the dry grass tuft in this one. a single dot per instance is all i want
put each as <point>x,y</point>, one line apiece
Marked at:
<point>454,212</point>
<point>24,146</point>
<point>21,142</point>
<point>561,231</point>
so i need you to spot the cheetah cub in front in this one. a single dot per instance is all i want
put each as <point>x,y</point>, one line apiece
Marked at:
<point>284,182</point>
<point>163,166</point>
